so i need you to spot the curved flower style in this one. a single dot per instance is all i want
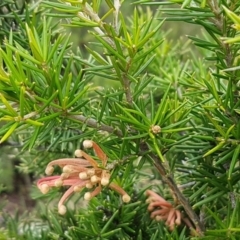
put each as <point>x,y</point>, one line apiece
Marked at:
<point>78,173</point>
<point>162,210</point>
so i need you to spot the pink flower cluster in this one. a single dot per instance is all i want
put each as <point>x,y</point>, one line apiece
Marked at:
<point>78,173</point>
<point>161,210</point>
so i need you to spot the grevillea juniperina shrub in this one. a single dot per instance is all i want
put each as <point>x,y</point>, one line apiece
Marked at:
<point>137,130</point>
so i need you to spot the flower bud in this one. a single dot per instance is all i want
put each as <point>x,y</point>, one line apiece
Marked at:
<point>95,179</point>
<point>89,185</point>
<point>62,209</point>
<point>78,153</point>
<point>105,181</point>
<point>156,129</point>
<point>67,169</point>
<point>83,175</point>
<point>90,172</point>
<point>178,217</point>
<point>58,183</point>
<point>87,144</point>
<point>44,188</point>
<point>49,170</point>
<point>77,188</point>
<point>87,196</point>
<point>64,175</point>
<point>126,198</point>
<point>158,218</point>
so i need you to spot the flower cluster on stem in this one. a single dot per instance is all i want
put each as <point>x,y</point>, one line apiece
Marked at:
<point>78,173</point>
<point>161,210</point>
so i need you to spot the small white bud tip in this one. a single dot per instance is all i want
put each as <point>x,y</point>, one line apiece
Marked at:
<point>58,183</point>
<point>149,200</point>
<point>89,185</point>
<point>178,221</point>
<point>78,153</point>
<point>87,196</point>
<point>156,129</point>
<point>126,198</point>
<point>94,179</point>
<point>150,208</point>
<point>49,170</point>
<point>64,175</point>
<point>87,144</point>
<point>44,188</point>
<point>67,169</point>
<point>83,175</point>
<point>90,172</point>
<point>77,189</point>
<point>105,181</point>
<point>62,209</point>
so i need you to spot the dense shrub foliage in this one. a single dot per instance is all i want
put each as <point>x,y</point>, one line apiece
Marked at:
<point>161,117</point>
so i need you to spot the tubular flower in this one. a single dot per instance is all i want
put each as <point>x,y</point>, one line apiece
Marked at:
<point>78,173</point>
<point>161,210</point>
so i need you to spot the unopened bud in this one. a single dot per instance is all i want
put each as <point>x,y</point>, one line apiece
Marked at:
<point>156,129</point>
<point>126,198</point>
<point>104,181</point>
<point>89,185</point>
<point>64,175</point>
<point>90,172</point>
<point>62,209</point>
<point>87,196</point>
<point>78,153</point>
<point>150,207</point>
<point>67,169</point>
<point>178,221</point>
<point>44,188</point>
<point>49,170</point>
<point>178,217</point>
<point>95,179</point>
<point>87,144</point>
<point>83,175</point>
<point>58,183</point>
<point>148,200</point>
<point>77,189</point>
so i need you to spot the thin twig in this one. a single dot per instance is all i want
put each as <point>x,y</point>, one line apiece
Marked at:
<point>94,124</point>
<point>87,9</point>
<point>87,12</point>
<point>127,89</point>
<point>117,6</point>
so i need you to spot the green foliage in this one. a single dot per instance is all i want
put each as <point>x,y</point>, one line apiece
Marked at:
<point>159,112</point>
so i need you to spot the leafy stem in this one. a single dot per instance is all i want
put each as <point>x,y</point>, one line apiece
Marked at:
<point>95,124</point>
<point>158,164</point>
<point>178,195</point>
